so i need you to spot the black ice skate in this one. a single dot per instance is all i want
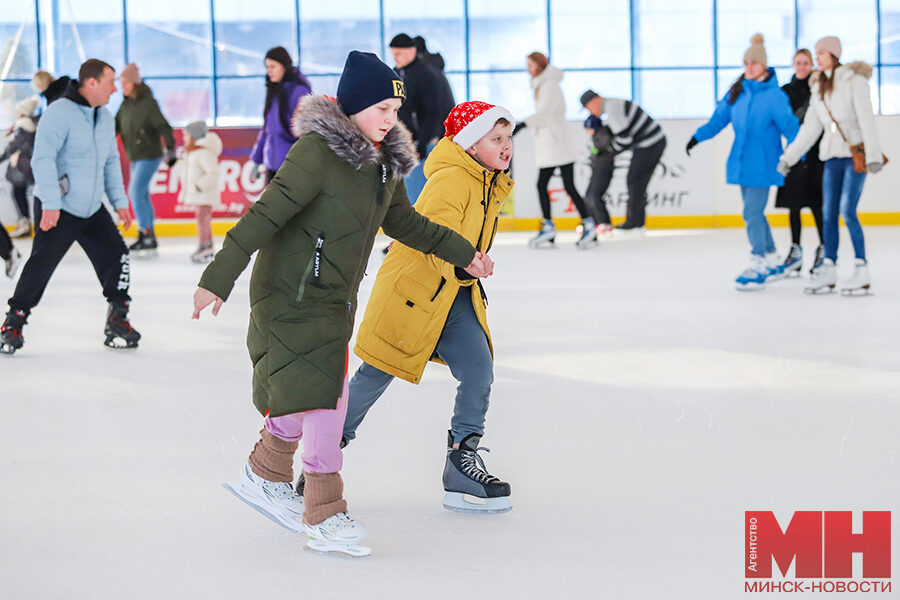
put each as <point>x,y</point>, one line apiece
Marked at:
<point>466,476</point>
<point>146,245</point>
<point>119,332</point>
<point>11,331</point>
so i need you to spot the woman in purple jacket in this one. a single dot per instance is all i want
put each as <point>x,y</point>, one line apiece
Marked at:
<point>285,85</point>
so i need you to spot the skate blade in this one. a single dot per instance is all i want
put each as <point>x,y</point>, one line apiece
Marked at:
<point>754,287</point>
<point>863,291</point>
<point>117,343</point>
<point>587,245</point>
<point>828,289</point>
<point>458,502</point>
<point>7,349</point>
<point>542,245</point>
<point>236,490</point>
<point>144,253</point>
<point>336,549</point>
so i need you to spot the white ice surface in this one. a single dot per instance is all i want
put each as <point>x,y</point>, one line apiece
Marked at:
<point>640,406</point>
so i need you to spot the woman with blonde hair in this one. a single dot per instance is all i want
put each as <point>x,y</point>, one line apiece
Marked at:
<point>803,185</point>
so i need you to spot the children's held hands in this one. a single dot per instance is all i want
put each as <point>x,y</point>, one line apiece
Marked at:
<point>481,266</point>
<point>202,299</point>
<point>690,145</point>
<point>125,217</point>
<point>49,219</point>
<point>873,167</point>
<point>171,157</point>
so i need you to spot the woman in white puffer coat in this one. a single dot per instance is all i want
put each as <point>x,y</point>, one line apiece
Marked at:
<point>554,146</point>
<point>841,107</point>
<point>200,182</point>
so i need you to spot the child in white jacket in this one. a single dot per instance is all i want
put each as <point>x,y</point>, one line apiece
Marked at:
<point>199,171</point>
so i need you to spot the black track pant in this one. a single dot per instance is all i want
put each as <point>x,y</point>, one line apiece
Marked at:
<point>20,195</point>
<point>5,244</point>
<point>643,164</point>
<point>568,178</point>
<point>100,239</point>
<point>601,176</point>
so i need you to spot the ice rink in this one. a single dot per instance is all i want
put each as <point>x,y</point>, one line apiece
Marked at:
<point>640,406</point>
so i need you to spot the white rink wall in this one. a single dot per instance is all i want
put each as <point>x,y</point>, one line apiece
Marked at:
<point>688,186</point>
<point>683,187</point>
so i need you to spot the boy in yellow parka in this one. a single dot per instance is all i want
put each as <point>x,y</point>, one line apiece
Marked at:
<point>423,308</point>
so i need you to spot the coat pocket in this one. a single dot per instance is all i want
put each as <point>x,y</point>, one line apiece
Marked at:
<point>313,273</point>
<point>405,316</point>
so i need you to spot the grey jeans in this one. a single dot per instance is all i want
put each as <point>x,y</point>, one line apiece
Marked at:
<point>464,347</point>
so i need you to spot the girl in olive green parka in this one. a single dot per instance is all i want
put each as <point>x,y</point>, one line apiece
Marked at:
<point>314,227</point>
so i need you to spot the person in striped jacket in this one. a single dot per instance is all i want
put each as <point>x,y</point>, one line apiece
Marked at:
<point>632,129</point>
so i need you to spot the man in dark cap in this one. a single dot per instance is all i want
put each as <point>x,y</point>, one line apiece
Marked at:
<point>428,102</point>
<point>628,127</point>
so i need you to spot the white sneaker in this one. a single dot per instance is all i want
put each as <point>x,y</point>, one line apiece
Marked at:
<point>23,228</point>
<point>859,281</point>
<point>276,500</point>
<point>12,263</point>
<point>338,533</point>
<point>823,279</point>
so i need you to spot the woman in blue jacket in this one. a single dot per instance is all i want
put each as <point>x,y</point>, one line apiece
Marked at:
<point>760,114</point>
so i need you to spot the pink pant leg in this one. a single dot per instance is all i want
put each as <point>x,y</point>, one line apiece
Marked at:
<point>288,428</point>
<point>322,433</point>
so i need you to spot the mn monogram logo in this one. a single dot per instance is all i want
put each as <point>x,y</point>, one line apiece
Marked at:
<point>820,545</point>
<point>399,89</point>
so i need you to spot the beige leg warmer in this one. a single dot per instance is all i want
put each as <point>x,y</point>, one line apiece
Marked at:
<point>323,497</point>
<point>273,458</point>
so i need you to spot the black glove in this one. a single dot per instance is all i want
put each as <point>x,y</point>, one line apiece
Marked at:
<point>519,127</point>
<point>690,145</point>
<point>171,158</point>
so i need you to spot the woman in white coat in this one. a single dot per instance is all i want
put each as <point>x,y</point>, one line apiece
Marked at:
<point>554,147</point>
<point>841,107</point>
<point>199,170</point>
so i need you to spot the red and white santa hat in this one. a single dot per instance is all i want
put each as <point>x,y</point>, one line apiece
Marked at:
<point>470,121</point>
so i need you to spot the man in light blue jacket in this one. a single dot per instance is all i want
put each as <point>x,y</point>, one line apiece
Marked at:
<point>75,161</point>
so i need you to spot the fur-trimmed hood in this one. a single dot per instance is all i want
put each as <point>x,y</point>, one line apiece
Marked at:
<point>26,124</point>
<point>318,114</point>
<point>844,72</point>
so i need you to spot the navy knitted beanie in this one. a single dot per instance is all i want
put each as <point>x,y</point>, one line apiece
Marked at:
<point>367,81</point>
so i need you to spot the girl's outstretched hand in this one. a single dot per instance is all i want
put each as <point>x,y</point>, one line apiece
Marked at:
<point>202,299</point>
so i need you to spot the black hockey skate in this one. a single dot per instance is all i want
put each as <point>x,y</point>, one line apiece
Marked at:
<point>466,475</point>
<point>11,331</point>
<point>119,332</point>
<point>146,245</point>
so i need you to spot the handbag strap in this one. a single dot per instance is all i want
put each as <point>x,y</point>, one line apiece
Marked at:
<point>833,120</point>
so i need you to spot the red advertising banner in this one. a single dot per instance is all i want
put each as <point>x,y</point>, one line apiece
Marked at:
<point>237,191</point>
